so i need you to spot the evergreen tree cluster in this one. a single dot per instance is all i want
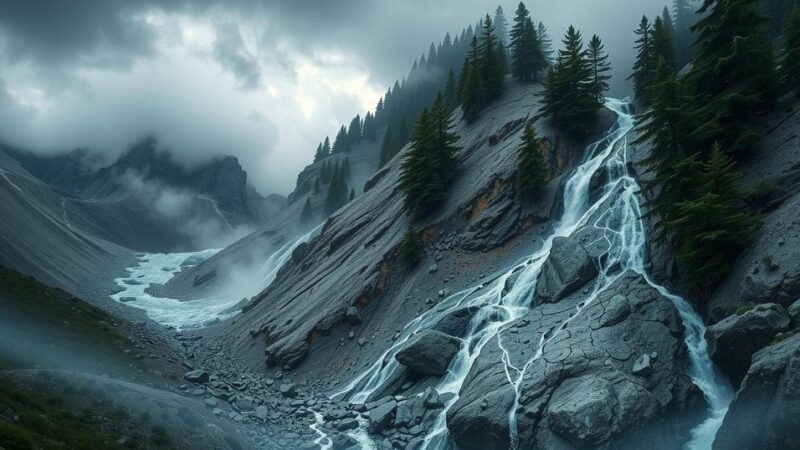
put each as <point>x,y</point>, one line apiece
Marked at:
<point>483,73</point>
<point>532,171</point>
<point>527,54</point>
<point>575,85</point>
<point>654,45</point>
<point>428,168</point>
<point>700,125</point>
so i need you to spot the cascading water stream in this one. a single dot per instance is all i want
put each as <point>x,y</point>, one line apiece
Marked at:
<point>624,236</point>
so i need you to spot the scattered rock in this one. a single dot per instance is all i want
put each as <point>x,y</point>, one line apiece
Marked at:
<point>431,399</point>
<point>196,376</point>
<point>288,390</point>
<point>353,316</point>
<point>429,352</point>
<point>642,366</point>
<point>381,417</point>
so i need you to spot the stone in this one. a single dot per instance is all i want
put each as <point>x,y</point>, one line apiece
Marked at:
<point>288,390</point>
<point>429,352</point>
<point>794,314</point>
<point>733,340</point>
<point>196,376</point>
<point>381,417</point>
<point>764,414</point>
<point>433,268</point>
<point>347,424</point>
<point>431,399</point>
<point>353,316</point>
<point>580,411</point>
<point>456,323</point>
<point>568,267</point>
<point>262,412</point>
<point>642,366</point>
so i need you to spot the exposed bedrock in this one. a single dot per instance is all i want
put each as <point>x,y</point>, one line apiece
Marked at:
<point>615,376</point>
<point>765,414</point>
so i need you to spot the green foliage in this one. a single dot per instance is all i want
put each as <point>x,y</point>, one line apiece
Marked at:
<point>600,68</point>
<point>570,97</point>
<point>663,47</point>
<point>428,167</point>
<point>643,67</point>
<point>15,438</point>
<point>545,42</point>
<point>472,90</point>
<point>337,190</point>
<point>684,18</point>
<point>492,62</point>
<point>711,226</point>
<point>532,171</point>
<point>733,78</point>
<point>790,62</point>
<point>411,250</point>
<point>527,58</point>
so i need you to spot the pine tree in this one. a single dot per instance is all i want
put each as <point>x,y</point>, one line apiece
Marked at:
<point>411,251</point>
<point>318,154</point>
<point>733,78</point>
<point>600,68</point>
<point>568,98</point>
<point>662,46</point>
<point>491,65</point>
<point>501,26</point>
<point>666,19</point>
<point>326,148</point>
<point>545,42</point>
<point>387,146</point>
<point>450,91</point>
<point>643,67</point>
<point>472,92</point>
<point>684,19</point>
<point>340,144</point>
<point>532,172</point>
<point>713,227</point>
<point>337,191</point>
<point>527,58</point>
<point>307,215</point>
<point>370,131</point>
<point>790,67</point>
<point>354,131</point>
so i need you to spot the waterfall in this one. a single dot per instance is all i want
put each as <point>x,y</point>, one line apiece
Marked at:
<point>620,221</point>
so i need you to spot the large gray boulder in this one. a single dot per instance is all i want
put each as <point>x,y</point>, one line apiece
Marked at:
<point>429,352</point>
<point>568,267</point>
<point>734,340</point>
<point>581,390</point>
<point>765,415</point>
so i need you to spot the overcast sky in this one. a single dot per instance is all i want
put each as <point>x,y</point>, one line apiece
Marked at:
<point>264,81</point>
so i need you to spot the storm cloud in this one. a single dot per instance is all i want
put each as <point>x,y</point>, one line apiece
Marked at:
<point>264,81</point>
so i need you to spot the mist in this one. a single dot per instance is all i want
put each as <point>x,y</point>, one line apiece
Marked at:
<point>263,82</point>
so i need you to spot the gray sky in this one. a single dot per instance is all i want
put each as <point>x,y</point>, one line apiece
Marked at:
<point>264,81</point>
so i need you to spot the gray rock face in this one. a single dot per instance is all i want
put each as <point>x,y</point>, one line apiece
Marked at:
<point>382,416</point>
<point>429,352</point>
<point>582,390</point>
<point>568,268</point>
<point>766,410</point>
<point>580,411</point>
<point>734,340</point>
<point>794,314</point>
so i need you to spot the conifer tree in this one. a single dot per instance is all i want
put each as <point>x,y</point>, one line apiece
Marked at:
<point>307,215</point>
<point>472,92</point>
<point>527,58</point>
<point>684,18</point>
<point>326,148</point>
<point>324,172</point>
<point>662,46</point>
<point>318,154</point>
<point>713,227</point>
<point>337,191</point>
<point>340,144</point>
<point>666,19</point>
<point>411,251</point>
<point>568,98</point>
<point>501,26</point>
<point>491,65</point>
<point>600,68</point>
<point>450,91</point>
<point>354,131</point>
<point>733,78</point>
<point>790,67</point>
<point>370,131</point>
<point>643,67</point>
<point>387,146</point>
<point>532,172</point>
<point>545,42</point>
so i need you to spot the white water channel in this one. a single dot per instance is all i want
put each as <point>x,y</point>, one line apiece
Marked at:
<point>159,268</point>
<point>618,214</point>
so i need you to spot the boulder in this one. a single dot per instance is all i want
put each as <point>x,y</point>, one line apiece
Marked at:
<point>288,390</point>
<point>765,414</point>
<point>733,341</point>
<point>457,322</point>
<point>431,399</point>
<point>381,417</point>
<point>794,314</point>
<point>568,267</point>
<point>196,376</point>
<point>429,352</point>
<point>580,411</point>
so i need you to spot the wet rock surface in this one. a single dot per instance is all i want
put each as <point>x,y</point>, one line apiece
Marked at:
<point>429,352</point>
<point>588,387</point>
<point>733,340</point>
